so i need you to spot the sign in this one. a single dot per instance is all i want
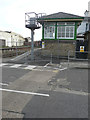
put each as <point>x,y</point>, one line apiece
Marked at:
<point>43,45</point>
<point>81,48</point>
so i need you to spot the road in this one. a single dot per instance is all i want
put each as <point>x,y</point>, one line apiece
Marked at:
<point>44,93</point>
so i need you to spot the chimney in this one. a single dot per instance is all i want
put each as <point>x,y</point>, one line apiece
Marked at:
<point>89,9</point>
<point>86,13</point>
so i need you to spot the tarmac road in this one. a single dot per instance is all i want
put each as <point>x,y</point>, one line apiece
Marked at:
<point>67,90</point>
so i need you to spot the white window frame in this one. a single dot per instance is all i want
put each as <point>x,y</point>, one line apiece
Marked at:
<point>73,26</point>
<point>47,32</point>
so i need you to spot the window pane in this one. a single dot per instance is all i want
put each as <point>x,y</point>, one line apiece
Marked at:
<point>61,23</point>
<point>49,32</point>
<point>71,34</point>
<point>63,29</point>
<point>70,23</point>
<point>67,34</point>
<point>67,29</point>
<point>59,29</point>
<point>49,23</point>
<point>71,29</point>
<point>59,34</point>
<point>63,34</point>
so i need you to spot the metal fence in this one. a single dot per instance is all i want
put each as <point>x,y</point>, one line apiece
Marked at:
<point>16,48</point>
<point>78,59</point>
<point>14,51</point>
<point>42,56</point>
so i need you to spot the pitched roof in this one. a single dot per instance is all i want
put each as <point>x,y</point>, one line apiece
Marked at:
<point>61,15</point>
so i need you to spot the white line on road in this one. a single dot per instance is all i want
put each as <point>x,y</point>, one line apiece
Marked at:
<point>30,67</point>
<point>16,66</point>
<point>46,64</point>
<point>2,64</point>
<point>63,69</point>
<point>4,84</point>
<point>60,69</point>
<point>24,92</point>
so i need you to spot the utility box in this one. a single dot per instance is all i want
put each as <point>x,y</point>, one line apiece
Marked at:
<point>81,48</point>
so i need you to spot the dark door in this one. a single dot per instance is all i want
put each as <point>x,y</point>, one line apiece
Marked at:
<point>81,47</point>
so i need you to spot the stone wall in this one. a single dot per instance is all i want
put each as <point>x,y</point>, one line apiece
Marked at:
<point>60,48</point>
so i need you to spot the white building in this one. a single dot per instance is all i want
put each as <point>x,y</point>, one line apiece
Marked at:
<point>11,38</point>
<point>82,28</point>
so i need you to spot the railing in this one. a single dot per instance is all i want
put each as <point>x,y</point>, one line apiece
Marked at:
<point>14,51</point>
<point>77,58</point>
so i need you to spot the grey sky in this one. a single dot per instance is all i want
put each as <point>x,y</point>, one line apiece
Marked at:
<point>12,12</point>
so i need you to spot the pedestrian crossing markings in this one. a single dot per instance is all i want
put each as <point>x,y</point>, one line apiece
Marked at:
<point>30,67</point>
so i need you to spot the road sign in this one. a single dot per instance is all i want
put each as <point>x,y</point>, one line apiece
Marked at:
<point>43,45</point>
<point>81,48</point>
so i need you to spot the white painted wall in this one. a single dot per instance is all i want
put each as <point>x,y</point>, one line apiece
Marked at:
<point>12,38</point>
<point>6,37</point>
<point>89,9</point>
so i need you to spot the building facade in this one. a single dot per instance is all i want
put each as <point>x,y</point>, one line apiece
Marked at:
<point>60,28</point>
<point>83,34</point>
<point>11,39</point>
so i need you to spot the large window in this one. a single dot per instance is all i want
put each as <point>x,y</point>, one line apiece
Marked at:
<point>61,30</point>
<point>49,30</point>
<point>65,30</point>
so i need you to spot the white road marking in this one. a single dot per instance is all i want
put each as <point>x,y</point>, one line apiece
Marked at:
<point>30,67</point>
<point>4,84</point>
<point>63,69</point>
<point>24,92</point>
<point>2,64</point>
<point>46,64</point>
<point>16,66</point>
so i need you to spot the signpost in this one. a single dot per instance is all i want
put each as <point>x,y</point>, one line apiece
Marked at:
<point>81,48</point>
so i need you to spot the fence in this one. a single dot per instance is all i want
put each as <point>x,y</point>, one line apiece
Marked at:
<point>78,59</point>
<point>19,43</point>
<point>14,51</point>
<point>16,48</point>
<point>42,56</point>
<point>73,58</point>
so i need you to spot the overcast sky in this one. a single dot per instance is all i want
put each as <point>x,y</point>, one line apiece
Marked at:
<point>12,12</point>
